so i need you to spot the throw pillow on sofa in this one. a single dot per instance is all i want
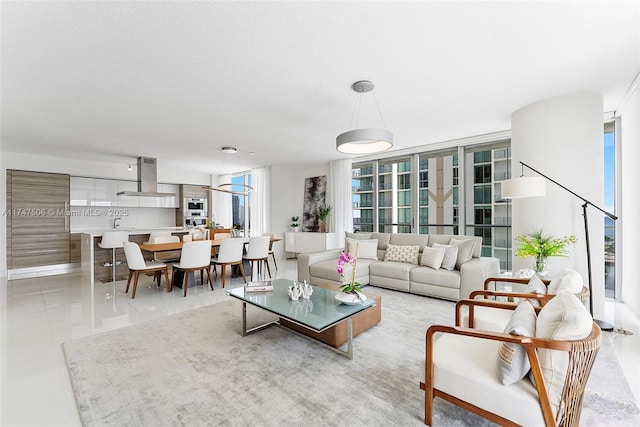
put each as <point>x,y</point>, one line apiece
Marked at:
<point>398,253</point>
<point>536,286</point>
<point>432,257</point>
<point>367,249</point>
<point>450,255</point>
<point>465,250</point>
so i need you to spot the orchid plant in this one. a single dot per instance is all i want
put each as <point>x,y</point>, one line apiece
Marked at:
<point>351,286</point>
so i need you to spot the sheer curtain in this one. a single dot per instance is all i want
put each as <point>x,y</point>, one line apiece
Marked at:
<point>260,197</point>
<point>341,219</point>
<point>221,207</point>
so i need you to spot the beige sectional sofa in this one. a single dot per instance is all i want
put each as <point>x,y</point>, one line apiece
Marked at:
<point>468,275</point>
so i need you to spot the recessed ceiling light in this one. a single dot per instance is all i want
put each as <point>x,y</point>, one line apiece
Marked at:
<point>229,150</point>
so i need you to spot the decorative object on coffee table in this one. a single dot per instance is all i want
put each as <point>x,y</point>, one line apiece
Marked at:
<point>294,291</point>
<point>541,247</point>
<point>352,288</point>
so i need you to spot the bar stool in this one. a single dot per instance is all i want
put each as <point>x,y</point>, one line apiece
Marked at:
<point>113,240</point>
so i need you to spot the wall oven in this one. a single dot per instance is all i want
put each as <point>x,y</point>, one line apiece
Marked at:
<point>195,212</point>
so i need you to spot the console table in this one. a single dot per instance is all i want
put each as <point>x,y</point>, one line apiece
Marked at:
<point>302,241</point>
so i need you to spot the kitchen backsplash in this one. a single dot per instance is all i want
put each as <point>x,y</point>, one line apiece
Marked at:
<point>86,218</point>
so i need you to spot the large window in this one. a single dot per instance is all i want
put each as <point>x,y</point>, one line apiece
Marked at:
<point>449,188</point>
<point>609,206</point>
<point>241,204</point>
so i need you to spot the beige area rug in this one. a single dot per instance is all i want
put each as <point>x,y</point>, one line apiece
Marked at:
<point>195,369</point>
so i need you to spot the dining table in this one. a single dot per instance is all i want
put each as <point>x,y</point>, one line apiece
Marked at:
<point>175,246</point>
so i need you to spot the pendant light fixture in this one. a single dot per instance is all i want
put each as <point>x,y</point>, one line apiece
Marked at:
<point>364,141</point>
<point>228,187</point>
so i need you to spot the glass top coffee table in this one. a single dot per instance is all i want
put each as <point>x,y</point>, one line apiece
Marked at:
<point>318,313</point>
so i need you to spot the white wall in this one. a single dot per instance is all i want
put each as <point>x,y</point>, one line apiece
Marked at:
<point>630,202</point>
<point>562,138</point>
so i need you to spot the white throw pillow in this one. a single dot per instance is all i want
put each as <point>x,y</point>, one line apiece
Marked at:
<point>513,363</point>
<point>367,249</point>
<point>432,257</point>
<point>450,255</point>
<point>465,250</point>
<point>536,286</point>
<point>568,280</point>
<point>562,318</point>
<point>399,253</point>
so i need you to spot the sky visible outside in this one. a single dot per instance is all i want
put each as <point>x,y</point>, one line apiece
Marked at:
<point>609,172</point>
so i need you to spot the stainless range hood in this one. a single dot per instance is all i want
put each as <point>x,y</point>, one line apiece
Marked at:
<point>147,180</point>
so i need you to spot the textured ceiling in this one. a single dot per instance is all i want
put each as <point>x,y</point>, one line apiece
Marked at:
<point>179,80</point>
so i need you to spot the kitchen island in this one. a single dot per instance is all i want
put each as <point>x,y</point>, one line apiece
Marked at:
<point>94,257</point>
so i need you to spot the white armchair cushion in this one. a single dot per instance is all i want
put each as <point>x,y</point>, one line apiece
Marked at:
<point>450,255</point>
<point>398,253</point>
<point>465,367</point>
<point>513,363</point>
<point>568,280</point>
<point>465,250</point>
<point>562,318</point>
<point>367,249</point>
<point>432,257</point>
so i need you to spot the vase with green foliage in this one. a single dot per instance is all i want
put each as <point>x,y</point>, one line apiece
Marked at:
<point>541,246</point>
<point>323,212</point>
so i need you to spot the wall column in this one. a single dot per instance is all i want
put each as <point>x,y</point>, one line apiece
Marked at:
<point>563,138</point>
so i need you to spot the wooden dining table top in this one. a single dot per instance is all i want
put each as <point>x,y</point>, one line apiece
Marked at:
<point>160,247</point>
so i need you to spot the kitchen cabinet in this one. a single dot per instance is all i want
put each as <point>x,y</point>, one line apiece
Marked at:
<point>37,220</point>
<point>82,192</point>
<point>102,192</point>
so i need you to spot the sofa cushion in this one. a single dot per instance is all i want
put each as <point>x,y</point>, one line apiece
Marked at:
<point>326,271</point>
<point>395,270</point>
<point>444,239</point>
<point>562,318</point>
<point>465,250</point>
<point>383,240</point>
<point>444,278</point>
<point>407,239</point>
<point>513,363</point>
<point>568,280</point>
<point>432,257</point>
<point>358,236</point>
<point>401,253</point>
<point>367,249</point>
<point>450,255</point>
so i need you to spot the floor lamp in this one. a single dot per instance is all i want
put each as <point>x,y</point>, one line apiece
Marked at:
<point>524,187</point>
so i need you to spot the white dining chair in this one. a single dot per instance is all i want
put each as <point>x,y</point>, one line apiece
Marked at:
<point>137,265</point>
<point>230,253</point>
<point>258,252</point>
<point>196,256</point>
<point>271,252</point>
<point>155,234</point>
<point>166,256</point>
<point>113,240</point>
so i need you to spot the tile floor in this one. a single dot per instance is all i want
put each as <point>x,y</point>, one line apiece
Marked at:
<point>38,315</point>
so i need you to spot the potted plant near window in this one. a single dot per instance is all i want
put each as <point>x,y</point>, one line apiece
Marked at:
<point>294,223</point>
<point>323,214</point>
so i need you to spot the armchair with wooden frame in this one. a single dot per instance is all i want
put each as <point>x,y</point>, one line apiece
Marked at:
<point>460,367</point>
<point>495,320</point>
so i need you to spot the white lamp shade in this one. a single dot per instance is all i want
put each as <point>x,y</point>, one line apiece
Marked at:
<point>523,187</point>
<point>364,141</point>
